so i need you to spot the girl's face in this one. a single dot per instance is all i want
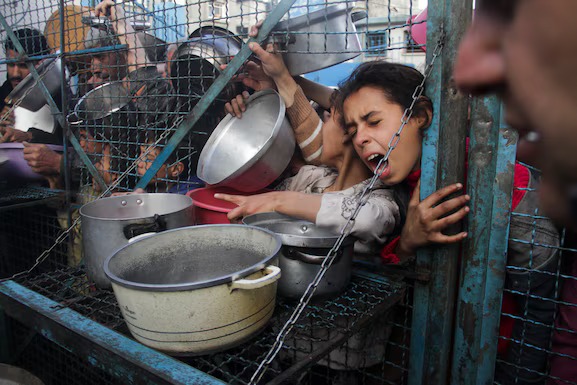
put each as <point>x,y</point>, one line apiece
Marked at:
<point>371,120</point>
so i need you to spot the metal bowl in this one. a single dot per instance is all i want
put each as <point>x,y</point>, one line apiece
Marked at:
<point>248,154</point>
<point>196,63</point>
<point>102,101</point>
<point>13,375</point>
<point>319,39</point>
<point>28,93</point>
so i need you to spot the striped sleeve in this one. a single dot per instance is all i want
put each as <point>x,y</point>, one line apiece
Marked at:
<point>307,127</point>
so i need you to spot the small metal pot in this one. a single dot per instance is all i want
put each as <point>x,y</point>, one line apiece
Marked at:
<point>318,39</point>
<point>196,62</point>
<point>248,154</point>
<point>305,247</point>
<point>109,223</point>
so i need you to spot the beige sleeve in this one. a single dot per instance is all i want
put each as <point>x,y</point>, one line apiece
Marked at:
<point>307,127</point>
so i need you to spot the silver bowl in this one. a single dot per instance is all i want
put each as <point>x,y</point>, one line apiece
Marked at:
<point>248,154</point>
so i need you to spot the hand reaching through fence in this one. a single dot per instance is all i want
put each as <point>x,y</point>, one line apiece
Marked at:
<point>427,219</point>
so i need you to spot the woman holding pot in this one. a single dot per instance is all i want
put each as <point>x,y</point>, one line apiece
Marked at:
<point>324,192</point>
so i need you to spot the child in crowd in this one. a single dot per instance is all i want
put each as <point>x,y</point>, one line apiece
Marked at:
<point>174,175</point>
<point>363,98</point>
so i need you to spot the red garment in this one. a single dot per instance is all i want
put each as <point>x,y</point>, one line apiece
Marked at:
<point>521,179</point>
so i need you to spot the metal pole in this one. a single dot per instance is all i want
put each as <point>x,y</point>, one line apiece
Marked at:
<point>490,184</point>
<point>443,163</point>
<point>215,89</point>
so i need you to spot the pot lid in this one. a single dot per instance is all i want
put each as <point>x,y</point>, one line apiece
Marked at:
<point>294,231</point>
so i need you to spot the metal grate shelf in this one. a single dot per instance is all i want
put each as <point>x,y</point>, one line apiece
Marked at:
<point>322,327</point>
<point>27,196</point>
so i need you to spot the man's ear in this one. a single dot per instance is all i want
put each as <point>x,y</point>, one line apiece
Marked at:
<point>175,170</point>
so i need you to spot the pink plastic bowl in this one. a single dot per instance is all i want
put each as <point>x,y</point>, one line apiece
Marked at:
<point>419,30</point>
<point>209,210</point>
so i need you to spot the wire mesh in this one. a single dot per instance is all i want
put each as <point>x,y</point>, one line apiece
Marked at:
<point>58,365</point>
<point>157,72</point>
<point>325,325</point>
<point>534,341</point>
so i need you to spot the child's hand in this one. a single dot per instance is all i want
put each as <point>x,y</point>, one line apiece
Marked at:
<point>252,75</point>
<point>237,105</point>
<point>427,219</point>
<point>248,205</point>
<point>271,61</point>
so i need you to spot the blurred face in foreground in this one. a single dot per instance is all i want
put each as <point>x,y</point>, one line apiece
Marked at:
<point>526,51</point>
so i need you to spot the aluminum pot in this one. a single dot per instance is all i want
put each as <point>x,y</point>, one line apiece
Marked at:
<point>199,289</point>
<point>248,154</point>
<point>305,247</point>
<point>109,223</point>
<point>27,93</point>
<point>318,39</point>
<point>196,63</point>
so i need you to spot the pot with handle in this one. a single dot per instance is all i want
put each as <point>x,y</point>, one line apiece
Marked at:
<point>319,39</point>
<point>109,223</point>
<point>199,289</point>
<point>305,247</point>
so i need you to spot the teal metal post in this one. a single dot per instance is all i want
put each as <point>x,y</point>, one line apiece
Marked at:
<point>215,89</point>
<point>443,163</point>
<point>55,111</point>
<point>491,165</point>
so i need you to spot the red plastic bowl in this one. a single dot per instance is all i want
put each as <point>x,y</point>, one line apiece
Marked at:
<point>209,210</point>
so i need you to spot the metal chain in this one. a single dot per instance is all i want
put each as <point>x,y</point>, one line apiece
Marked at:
<point>66,232</point>
<point>328,261</point>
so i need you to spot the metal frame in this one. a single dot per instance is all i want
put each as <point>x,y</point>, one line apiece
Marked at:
<point>434,302</point>
<point>103,348</point>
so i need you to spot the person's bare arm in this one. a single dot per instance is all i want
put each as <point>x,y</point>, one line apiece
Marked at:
<point>294,204</point>
<point>315,91</point>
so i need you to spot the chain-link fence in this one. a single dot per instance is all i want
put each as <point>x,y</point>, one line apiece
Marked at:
<point>136,95</point>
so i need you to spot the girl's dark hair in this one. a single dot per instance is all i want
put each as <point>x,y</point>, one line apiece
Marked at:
<point>397,81</point>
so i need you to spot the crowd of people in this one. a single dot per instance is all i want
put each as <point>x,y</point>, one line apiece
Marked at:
<point>339,149</point>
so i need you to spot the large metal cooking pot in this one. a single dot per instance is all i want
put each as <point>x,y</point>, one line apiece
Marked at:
<point>248,154</point>
<point>27,93</point>
<point>318,39</point>
<point>305,247</point>
<point>196,63</point>
<point>109,223</point>
<point>198,289</point>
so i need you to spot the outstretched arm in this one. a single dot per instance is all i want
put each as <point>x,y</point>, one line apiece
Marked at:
<point>294,204</point>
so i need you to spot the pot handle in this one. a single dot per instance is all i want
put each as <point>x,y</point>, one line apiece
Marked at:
<point>141,236</point>
<point>293,253</point>
<point>272,275</point>
<point>157,225</point>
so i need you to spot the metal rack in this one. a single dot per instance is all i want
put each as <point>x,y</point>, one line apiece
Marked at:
<point>26,196</point>
<point>68,291</point>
